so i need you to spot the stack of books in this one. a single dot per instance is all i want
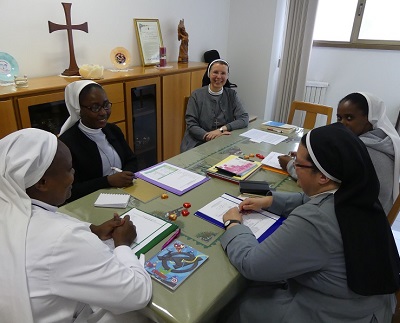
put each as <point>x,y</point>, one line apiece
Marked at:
<point>278,127</point>
<point>234,169</point>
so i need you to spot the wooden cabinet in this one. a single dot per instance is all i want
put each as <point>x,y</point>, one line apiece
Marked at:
<point>49,112</point>
<point>143,111</point>
<point>42,105</point>
<point>196,79</point>
<point>8,122</point>
<point>176,88</point>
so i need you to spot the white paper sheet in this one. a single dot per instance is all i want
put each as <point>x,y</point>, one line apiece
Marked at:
<point>272,160</point>
<point>259,136</point>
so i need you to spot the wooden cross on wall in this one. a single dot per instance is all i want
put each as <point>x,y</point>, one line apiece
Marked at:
<point>73,68</point>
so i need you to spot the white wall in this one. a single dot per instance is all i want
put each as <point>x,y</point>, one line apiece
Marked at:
<point>351,70</point>
<point>247,35</point>
<point>254,45</point>
<point>24,31</point>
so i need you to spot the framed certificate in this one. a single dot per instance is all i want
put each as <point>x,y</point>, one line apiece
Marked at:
<point>149,38</point>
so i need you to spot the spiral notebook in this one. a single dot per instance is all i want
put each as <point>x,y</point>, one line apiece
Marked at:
<point>112,200</point>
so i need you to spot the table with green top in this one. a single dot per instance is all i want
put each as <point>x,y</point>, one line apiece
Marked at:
<point>216,282</point>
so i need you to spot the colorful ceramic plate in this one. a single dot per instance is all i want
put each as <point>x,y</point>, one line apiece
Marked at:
<point>8,67</point>
<point>120,58</point>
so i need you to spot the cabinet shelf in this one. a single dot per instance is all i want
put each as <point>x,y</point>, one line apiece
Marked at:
<point>145,150</point>
<point>138,96</point>
<point>143,112</point>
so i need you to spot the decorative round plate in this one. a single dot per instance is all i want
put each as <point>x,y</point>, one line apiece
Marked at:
<point>120,58</point>
<point>8,67</point>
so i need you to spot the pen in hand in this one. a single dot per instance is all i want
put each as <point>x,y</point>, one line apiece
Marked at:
<point>116,169</point>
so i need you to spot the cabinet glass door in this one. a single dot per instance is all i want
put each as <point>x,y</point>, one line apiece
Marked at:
<point>144,115</point>
<point>48,116</point>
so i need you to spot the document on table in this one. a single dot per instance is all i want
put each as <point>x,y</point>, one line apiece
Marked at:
<point>150,230</point>
<point>263,136</point>
<point>172,178</point>
<point>272,160</point>
<point>261,223</point>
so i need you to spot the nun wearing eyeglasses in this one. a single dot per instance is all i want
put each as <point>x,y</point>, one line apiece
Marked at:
<point>334,258</point>
<point>99,149</point>
<point>213,110</point>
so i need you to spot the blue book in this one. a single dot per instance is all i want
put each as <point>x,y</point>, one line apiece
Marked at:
<point>172,265</point>
<point>278,127</point>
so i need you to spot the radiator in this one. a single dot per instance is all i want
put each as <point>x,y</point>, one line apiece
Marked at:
<point>315,92</point>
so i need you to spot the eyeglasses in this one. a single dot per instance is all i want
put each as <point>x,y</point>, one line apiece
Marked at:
<point>301,165</point>
<point>96,108</point>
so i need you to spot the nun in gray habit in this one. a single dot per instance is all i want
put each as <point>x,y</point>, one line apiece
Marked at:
<point>334,256</point>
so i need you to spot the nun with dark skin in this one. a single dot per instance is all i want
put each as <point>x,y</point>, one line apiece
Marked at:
<point>365,115</point>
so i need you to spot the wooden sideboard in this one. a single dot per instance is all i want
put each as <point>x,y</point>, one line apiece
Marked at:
<point>171,86</point>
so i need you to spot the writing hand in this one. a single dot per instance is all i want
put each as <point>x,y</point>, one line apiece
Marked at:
<point>255,203</point>
<point>122,179</point>
<point>284,160</point>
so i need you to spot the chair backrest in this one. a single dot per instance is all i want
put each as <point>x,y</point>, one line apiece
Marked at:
<point>184,114</point>
<point>312,110</point>
<point>394,211</point>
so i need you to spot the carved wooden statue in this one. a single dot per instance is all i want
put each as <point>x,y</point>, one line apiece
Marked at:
<point>183,36</point>
<point>73,68</point>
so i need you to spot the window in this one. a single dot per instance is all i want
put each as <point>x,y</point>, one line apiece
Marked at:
<point>358,23</point>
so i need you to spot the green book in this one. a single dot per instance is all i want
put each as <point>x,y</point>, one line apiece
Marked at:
<point>149,228</point>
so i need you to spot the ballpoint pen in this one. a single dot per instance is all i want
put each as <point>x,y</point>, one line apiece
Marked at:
<point>117,170</point>
<point>175,235</point>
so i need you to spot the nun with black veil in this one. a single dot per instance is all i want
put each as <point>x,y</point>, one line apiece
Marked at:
<point>334,258</point>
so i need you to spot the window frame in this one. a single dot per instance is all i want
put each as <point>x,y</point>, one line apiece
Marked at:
<point>355,42</point>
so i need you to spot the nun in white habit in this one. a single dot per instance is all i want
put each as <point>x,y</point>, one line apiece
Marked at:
<point>55,268</point>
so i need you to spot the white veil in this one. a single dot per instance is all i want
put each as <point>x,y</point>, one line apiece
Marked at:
<point>25,155</point>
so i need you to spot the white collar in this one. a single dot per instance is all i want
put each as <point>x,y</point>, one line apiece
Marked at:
<point>326,192</point>
<point>44,205</point>
<point>87,129</point>
<point>215,93</point>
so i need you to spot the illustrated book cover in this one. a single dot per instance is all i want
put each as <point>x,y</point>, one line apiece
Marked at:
<point>278,127</point>
<point>174,264</point>
<point>234,169</point>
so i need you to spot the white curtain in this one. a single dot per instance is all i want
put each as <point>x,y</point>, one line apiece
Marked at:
<point>296,54</point>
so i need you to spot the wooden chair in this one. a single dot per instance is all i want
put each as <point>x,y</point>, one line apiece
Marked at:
<point>312,110</point>
<point>184,113</point>
<point>394,211</point>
